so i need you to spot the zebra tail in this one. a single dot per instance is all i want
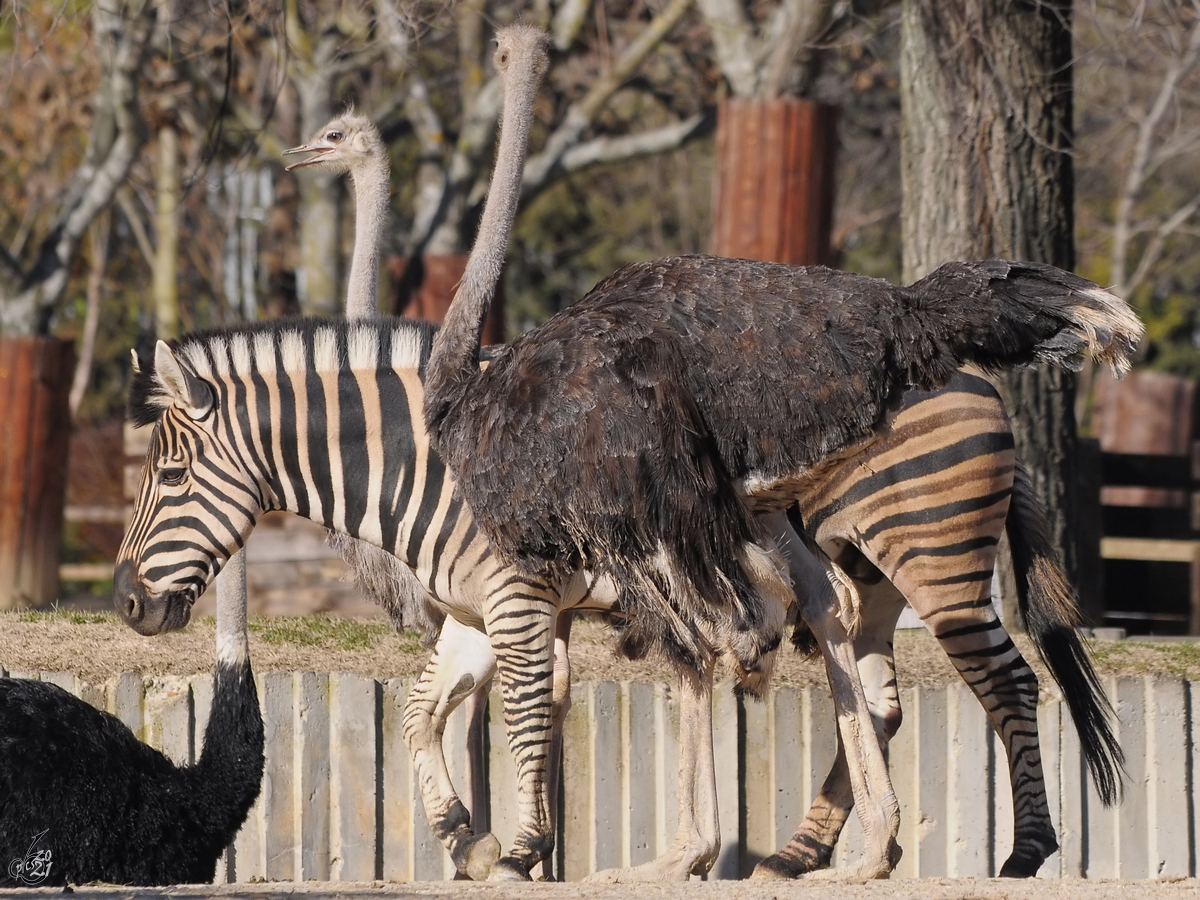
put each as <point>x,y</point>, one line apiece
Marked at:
<point>1051,613</point>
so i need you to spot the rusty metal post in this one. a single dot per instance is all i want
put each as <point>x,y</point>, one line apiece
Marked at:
<point>775,172</point>
<point>423,288</point>
<point>35,431</point>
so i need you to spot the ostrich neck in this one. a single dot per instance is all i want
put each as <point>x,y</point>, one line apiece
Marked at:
<point>456,349</point>
<point>370,210</point>
<point>233,648</point>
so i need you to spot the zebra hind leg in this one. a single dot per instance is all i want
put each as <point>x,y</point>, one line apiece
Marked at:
<point>983,652</point>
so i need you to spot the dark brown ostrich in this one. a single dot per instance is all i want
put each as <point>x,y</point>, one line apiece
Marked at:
<point>619,435</point>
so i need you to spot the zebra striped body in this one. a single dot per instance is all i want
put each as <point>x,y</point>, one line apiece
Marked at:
<point>916,515</point>
<point>323,419</point>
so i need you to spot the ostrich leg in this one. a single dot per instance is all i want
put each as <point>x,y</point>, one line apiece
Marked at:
<point>811,847</point>
<point>697,841</point>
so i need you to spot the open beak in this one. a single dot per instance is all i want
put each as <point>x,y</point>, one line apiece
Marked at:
<point>317,148</point>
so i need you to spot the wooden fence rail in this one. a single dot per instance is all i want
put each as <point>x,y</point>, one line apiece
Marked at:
<point>339,800</point>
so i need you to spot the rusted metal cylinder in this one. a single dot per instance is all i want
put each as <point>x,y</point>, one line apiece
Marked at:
<point>35,429</point>
<point>775,171</point>
<point>423,289</point>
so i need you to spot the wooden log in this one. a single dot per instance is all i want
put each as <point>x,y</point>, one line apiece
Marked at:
<point>775,175</point>
<point>35,426</point>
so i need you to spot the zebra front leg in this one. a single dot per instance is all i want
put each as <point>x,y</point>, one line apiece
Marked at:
<point>697,841</point>
<point>520,626</point>
<point>462,662</point>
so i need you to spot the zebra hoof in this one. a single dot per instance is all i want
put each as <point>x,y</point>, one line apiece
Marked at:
<point>508,868</point>
<point>477,855</point>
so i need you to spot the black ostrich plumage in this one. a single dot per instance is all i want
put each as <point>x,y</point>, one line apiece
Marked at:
<point>623,426</point>
<point>110,808</point>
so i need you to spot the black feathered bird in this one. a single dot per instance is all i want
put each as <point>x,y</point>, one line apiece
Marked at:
<point>618,435</point>
<point>109,808</point>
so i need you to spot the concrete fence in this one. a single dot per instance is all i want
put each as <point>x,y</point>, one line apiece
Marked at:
<point>339,800</point>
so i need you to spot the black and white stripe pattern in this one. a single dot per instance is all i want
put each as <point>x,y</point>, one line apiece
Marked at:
<point>322,418</point>
<point>916,514</point>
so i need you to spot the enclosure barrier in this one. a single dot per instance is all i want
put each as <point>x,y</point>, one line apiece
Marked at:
<point>339,800</point>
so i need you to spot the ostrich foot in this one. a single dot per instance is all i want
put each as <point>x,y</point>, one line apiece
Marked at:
<point>509,868</point>
<point>796,859</point>
<point>785,866</point>
<point>1027,855</point>
<point>476,855</point>
<point>676,865</point>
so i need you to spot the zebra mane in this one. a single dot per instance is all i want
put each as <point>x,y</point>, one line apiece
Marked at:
<point>284,344</point>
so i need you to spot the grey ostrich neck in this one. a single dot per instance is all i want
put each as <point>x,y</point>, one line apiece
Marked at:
<point>233,649</point>
<point>371,180</point>
<point>455,354</point>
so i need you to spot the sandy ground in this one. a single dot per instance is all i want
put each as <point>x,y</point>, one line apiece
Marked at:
<point>914,889</point>
<point>96,646</point>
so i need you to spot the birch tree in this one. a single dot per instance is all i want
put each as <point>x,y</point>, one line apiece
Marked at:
<point>30,290</point>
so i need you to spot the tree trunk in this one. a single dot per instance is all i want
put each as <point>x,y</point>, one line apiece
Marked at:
<point>986,170</point>
<point>35,381</point>
<point>166,230</point>
<point>775,171</point>
<point>320,209</point>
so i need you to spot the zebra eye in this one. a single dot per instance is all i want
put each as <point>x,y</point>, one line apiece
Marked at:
<point>171,476</point>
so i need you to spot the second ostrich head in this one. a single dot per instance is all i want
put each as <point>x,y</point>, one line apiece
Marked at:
<point>343,145</point>
<point>350,144</point>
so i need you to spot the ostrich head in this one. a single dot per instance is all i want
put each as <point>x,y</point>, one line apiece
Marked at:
<point>197,500</point>
<point>346,144</point>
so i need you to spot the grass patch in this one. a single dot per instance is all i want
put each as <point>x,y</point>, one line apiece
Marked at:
<point>328,631</point>
<point>1134,657</point>
<point>74,617</point>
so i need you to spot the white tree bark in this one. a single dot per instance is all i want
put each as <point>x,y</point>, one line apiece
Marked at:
<point>121,32</point>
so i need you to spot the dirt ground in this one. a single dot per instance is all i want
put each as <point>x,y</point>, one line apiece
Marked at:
<point>907,889</point>
<point>96,646</point>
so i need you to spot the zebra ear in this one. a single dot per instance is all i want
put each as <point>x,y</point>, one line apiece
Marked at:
<point>178,383</point>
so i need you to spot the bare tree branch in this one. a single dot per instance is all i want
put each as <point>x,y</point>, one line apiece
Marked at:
<point>579,117</point>
<point>630,146</point>
<point>122,33</point>
<point>1138,171</point>
<point>1154,249</point>
<point>98,242</point>
<point>568,22</point>
<point>737,48</point>
<point>128,204</point>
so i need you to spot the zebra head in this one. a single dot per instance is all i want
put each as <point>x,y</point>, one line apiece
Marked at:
<point>197,500</point>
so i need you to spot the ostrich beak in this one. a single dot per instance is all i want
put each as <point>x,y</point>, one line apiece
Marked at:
<point>319,149</point>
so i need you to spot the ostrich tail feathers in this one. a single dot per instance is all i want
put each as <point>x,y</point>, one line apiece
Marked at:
<point>996,313</point>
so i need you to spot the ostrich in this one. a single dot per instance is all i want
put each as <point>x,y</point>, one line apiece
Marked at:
<point>102,805</point>
<point>399,575</point>
<point>624,434</point>
<point>351,144</point>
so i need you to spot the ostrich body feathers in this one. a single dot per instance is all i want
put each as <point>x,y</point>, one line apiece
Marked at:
<point>112,808</point>
<point>624,426</point>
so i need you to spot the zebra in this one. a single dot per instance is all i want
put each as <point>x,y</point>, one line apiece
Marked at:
<point>227,447</point>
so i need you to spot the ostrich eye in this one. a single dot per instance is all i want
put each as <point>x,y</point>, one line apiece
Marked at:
<point>171,477</point>
<point>335,137</point>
